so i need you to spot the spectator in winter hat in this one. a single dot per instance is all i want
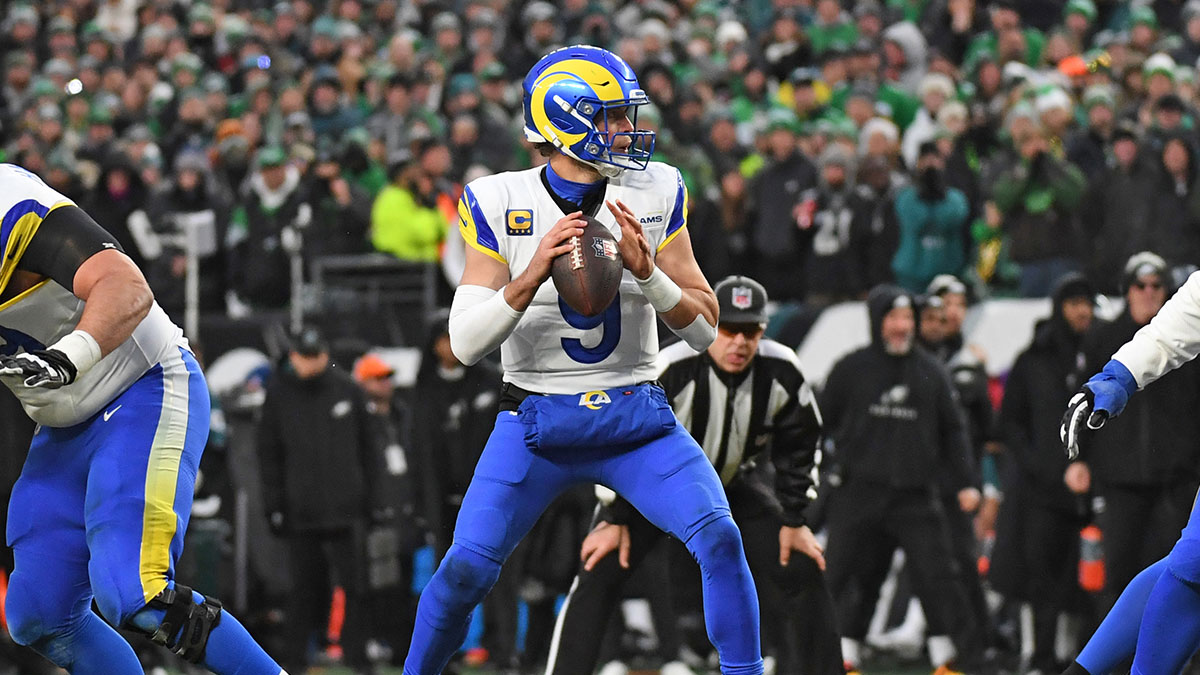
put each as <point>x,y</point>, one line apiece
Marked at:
<point>880,137</point>
<point>868,19</point>
<point>904,51</point>
<point>1079,18</point>
<point>934,91</point>
<point>1189,50</point>
<point>1055,113</point>
<point>1086,148</point>
<point>1143,28</point>
<point>22,25</point>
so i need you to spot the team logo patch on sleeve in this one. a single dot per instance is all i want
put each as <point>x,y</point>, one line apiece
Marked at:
<point>518,222</point>
<point>604,248</point>
<point>743,297</point>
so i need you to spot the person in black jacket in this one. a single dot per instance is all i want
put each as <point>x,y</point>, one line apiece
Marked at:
<point>773,194</point>
<point>265,232</point>
<point>319,461</point>
<point>899,438</point>
<point>392,605</point>
<point>966,365</point>
<point>1037,532</point>
<point>744,399</point>
<point>834,232</point>
<point>1117,214</point>
<point>1144,465</point>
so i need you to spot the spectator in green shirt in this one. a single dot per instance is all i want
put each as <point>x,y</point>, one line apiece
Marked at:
<point>405,220</point>
<point>831,26</point>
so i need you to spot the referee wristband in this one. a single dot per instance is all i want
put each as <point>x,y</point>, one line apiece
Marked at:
<point>660,290</point>
<point>81,348</point>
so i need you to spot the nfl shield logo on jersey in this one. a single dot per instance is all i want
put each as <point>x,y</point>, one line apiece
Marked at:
<point>604,248</point>
<point>742,297</point>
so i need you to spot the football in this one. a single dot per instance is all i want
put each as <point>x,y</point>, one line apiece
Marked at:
<point>588,276</point>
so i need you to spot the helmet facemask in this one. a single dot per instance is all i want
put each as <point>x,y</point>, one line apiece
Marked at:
<point>597,150</point>
<point>572,97</point>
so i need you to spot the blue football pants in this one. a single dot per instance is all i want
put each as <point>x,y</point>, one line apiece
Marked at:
<point>668,479</point>
<point>99,512</point>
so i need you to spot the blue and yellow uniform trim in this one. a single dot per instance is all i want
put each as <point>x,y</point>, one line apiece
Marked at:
<point>679,214</point>
<point>475,229</point>
<point>17,228</point>
<point>122,483</point>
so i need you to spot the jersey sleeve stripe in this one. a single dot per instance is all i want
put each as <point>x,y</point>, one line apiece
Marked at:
<point>17,228</point>
<point>20,216</point>
<point>475,229</point>
<point>679,215</point>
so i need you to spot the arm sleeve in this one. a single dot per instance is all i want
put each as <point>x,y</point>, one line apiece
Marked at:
<point>66,238</point>
<point>480,319</point>
<point>1171,339</point>
<point>796,454</point>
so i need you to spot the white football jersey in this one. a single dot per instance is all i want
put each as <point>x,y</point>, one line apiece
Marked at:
<point>553,349</point>
<point>41,315</point>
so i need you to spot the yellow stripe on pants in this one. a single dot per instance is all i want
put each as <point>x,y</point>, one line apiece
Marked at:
<point>162,474</point>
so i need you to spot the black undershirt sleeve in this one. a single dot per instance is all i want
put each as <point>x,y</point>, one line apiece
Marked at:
<point>66,238</point>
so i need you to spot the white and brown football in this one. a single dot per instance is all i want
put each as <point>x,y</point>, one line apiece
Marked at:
<point>587,277</point>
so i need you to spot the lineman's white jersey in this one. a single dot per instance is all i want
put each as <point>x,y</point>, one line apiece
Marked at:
<point>41,315</point>
<point>1171,339</point>
<point>554,350</point>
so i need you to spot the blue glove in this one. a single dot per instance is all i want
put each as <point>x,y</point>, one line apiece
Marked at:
<point>1102,397</point>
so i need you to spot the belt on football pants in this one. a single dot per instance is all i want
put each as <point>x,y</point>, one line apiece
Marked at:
<point>511,395</point>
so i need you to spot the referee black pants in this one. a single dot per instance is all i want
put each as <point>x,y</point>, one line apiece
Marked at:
<point>797,590</point>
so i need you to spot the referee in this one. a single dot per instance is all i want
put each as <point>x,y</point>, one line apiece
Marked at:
<point>741,399</point>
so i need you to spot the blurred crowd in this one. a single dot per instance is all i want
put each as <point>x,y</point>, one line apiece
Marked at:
<point>828,146</point>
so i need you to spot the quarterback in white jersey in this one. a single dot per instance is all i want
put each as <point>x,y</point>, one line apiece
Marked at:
<point>611,350</point>
<point>579,403</point>
<point>103,499</point>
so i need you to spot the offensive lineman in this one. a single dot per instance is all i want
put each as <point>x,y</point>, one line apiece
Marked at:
<point>1156,620</point>
<point>578,404</point>
<point>102,502</point>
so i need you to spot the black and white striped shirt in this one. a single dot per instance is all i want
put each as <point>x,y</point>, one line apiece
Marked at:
<point>736,418</point>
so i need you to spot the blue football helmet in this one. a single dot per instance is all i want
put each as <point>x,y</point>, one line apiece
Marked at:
<point>567,96</point>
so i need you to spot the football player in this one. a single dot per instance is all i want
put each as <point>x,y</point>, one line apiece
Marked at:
<point>101,506</point>
<point>579,404</point>
<point>1156,620</point>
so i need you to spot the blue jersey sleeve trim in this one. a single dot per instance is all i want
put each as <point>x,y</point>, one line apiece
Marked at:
<point>19,210</point>
<point>678,219</point>
<point>482,228</point>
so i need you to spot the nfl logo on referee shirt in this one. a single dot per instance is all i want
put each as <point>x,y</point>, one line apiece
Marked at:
<point>604,248</point>
<point>518,222</point>
<point>743,297</point>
